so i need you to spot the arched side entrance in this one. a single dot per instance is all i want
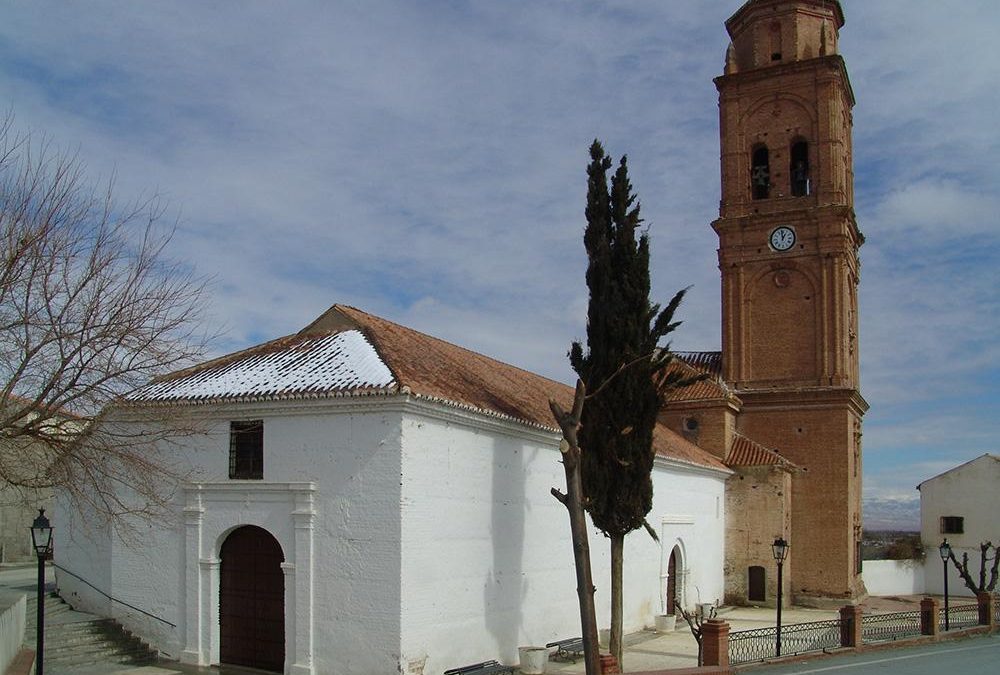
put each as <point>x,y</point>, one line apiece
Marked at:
<point>756,584</point>
<point>672,582</point>
<point>252,600</point>
<point>672,577</point>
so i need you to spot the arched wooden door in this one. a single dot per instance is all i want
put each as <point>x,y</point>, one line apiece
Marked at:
<point>252,600</point>
<point>672,582</point>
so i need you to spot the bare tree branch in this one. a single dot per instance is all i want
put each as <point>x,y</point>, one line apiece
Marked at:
<point>91,308</point>
<point>984,559</point>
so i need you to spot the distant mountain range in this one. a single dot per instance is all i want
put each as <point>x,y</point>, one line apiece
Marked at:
<point>891,513</point>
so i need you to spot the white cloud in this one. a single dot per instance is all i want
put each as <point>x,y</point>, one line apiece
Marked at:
<point>425,161</point>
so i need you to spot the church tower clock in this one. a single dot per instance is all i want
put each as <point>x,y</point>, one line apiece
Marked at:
<point>788,255</point>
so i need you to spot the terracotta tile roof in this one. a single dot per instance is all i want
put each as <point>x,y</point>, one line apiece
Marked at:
<point>435,369</point>
<point>670,445</point>
<point>709,389</point>
<point>746,452</point>
<point>341,353</point>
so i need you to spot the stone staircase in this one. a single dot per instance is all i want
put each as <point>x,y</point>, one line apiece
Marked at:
<point>77,641</point>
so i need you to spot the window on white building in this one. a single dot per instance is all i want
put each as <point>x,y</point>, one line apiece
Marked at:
<point>952,524</point>
<point>246,450</point>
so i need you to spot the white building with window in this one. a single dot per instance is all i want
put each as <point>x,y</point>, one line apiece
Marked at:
<point>960,505</point>
<point>366,499</point>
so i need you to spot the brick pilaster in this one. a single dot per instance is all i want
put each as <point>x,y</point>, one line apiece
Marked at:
<point>985,601</point>
<point>715,643</point>
<point>929,617</point>
<point>850,626</point>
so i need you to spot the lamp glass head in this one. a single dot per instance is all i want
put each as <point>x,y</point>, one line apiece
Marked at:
<point>944,549</point>
<point>41,534</point>
<point>780,549</point>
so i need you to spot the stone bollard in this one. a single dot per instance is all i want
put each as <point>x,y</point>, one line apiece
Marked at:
<point>850,626</point>
<point>985,601</point>
<point>929,617</point>
<point>715,643</point>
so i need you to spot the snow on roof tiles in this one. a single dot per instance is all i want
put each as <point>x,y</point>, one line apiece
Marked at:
<point>286,367</point>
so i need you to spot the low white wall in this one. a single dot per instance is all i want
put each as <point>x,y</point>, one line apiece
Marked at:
<point>11,628</point>
<point>894,577</point>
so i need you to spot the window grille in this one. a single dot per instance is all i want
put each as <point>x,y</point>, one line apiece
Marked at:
<point>246,450</point>
<point>952,525</point>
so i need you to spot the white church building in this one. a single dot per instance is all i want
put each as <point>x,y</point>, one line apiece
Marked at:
<point>363,498</point>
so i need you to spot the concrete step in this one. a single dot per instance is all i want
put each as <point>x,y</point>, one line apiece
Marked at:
<point>102,664</point>
<point>75,640</point>
<point>87,653</point>
<point>70,658</point>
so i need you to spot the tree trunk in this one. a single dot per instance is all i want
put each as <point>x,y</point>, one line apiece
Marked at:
<point>573,501</point>
<point>581,558</point>
<point>617,556</point>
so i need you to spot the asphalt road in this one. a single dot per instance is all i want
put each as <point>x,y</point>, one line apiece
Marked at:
<point>970,656</point>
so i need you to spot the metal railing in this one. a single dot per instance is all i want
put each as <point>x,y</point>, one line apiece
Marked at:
<point>760,644</point>
<point>960,616</point>
<point>887,627</point>
<point>113,599</point>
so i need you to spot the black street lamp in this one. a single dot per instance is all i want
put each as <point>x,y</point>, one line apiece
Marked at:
<point>945,550</point>
<point>780,550</point>
<point>41,539</point>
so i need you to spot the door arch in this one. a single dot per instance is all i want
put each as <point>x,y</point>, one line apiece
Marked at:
<point>671,600</point>
<point>252,600</point>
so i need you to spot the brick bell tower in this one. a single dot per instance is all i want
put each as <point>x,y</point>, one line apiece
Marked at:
<point>788,254</point>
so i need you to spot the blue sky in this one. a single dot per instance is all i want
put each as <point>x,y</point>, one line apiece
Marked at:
<point>425,161</point>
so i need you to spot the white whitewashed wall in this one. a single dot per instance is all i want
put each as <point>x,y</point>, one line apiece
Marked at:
<point>82,544</point>
<point>350,454</point>
<point>415,537</point>
<point>971,491</point>
<point>487,561</point>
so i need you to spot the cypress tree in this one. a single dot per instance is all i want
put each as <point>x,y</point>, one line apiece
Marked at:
<point>623,368</point>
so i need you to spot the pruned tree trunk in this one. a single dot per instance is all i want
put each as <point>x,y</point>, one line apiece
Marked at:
<point>617,557</point>
<point>695,622</point>
<point>573,501</point>
<point>984,558</point>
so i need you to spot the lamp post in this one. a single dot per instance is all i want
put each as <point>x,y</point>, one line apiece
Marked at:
<point>41,539</point>
<point>780,550</point>
<point>945,550</point>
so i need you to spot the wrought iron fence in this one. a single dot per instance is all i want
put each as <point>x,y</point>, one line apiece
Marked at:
<point>960,616</point>
<point>760,644</point>
<point>886,627</point>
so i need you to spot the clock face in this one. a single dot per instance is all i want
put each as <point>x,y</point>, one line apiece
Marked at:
<point>782,238</point>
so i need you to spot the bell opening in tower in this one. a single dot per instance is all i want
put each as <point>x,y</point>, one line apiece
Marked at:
<point>799,168</point>
<point>760,173</point>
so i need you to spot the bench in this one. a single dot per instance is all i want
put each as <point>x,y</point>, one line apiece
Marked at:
<point>569,649</point>
<point>485,668</point>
